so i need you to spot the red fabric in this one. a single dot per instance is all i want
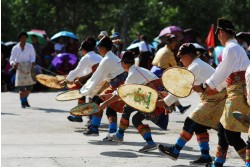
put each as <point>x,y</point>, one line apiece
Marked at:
<point>210,37</point>
<point>236,77</point>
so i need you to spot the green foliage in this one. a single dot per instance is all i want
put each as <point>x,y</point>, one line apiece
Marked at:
<point>128,17</point>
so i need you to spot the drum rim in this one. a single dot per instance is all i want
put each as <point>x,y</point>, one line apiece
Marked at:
<point>83,114</point>
<point>178,68</point>
<point>67,92</point>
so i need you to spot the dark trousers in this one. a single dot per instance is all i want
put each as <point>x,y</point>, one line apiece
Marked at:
<point>136,119</point>
<point>227,137</point>
<point>190,126</point>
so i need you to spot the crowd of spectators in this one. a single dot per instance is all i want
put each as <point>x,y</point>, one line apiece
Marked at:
<point>46,52</point>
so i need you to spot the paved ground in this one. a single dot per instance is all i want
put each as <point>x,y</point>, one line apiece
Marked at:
<point>43,137</point>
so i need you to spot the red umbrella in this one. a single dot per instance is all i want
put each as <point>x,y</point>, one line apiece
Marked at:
<point>170,30</point>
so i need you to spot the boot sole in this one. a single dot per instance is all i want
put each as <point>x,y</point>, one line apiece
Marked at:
<point>150,149</point>
<point>170,157</point>
<point>90,134</point>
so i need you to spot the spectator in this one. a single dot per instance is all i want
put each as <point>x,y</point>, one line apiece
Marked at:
<point>23,59</point>
<point>72,47</point>
<point>145,55</point>
<point>117,43</point>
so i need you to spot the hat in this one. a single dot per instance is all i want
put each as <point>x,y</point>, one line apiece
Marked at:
<point>115,35</point>
<point>186,48</point>
<point>86,45</point>
<point>226,25</point>
<point>128,57</point>
<point>103,33</point>
<point>105,42</point>
<point>170,37</point>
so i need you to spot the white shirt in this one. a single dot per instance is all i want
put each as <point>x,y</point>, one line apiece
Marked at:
<point>247,76</point>
<point>234,59</point>
<point>108,69</point>
<point>202,71</point>
<point>143,47</point>
<point>139,75</point>
<point>17,55</point>
<point>84,66</point>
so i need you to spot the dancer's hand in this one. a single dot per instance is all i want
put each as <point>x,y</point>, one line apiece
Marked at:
<point>62,83</point>
<point>197,88</point>
<point>77,82</point>
<point>15,65</point>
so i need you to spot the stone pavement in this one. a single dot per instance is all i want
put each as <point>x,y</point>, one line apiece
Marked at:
<point>41,136</point>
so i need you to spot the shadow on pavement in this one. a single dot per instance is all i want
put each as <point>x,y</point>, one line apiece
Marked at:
<point>156,153</point>
<point>49,110</point>
<point>3,113</point>
<point>119,154</point>
<point>100,142</point>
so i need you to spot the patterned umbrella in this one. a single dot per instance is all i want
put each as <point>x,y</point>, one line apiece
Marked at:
<point>64,62</point>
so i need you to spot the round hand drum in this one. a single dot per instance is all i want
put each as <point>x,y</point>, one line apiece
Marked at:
<point>140,97</point>
<point>178,81</point>
<point>49,81</point>
<point>69,95</point>
<point>84,109</point>
<point>53,81</point>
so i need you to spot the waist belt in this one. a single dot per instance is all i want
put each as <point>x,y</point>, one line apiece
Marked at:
<point>236,77</point>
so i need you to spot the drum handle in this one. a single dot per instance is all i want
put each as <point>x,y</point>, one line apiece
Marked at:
<point>65,84</point>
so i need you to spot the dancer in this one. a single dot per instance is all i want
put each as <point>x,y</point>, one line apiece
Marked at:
<point>136,75</point>
<point>232,69</point>
<point>109,69</point>
<point>205,116</point>
<point>84,69</point>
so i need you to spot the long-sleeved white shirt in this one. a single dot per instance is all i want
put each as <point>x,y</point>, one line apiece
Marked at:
<point>139,75</point>
<point>234,59</point>
<point>108,69</point>
<point>84,66</point>
<point>247,76</point>
<point>202,71</point>
<point>17,55</point>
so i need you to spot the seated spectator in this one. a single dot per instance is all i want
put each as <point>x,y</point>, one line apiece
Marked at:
<point>59,46</point>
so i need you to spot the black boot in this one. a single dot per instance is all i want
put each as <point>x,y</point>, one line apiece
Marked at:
<point>27,104</point>
<point>23,105</point>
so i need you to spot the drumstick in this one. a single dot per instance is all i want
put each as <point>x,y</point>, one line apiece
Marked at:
<point>65,84</point>
<point>47,70</point>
